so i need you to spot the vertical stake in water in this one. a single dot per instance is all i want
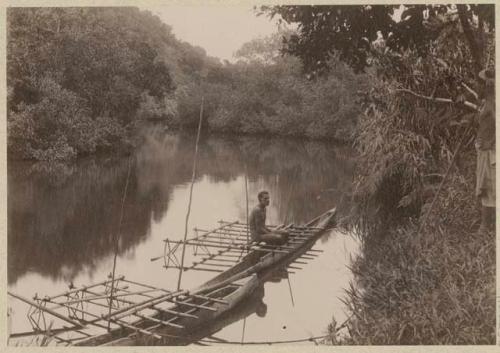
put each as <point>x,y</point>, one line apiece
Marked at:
<point>116,239</point>
<point>246,197</point>
<point>190,195</point>
<point>290,288</point>
<point>248,241</point>
<point>243,332</point>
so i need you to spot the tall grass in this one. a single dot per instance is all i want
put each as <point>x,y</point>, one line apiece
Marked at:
<point>434,287</point>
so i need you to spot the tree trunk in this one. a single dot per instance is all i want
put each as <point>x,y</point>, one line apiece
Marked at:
<point>475,48</point>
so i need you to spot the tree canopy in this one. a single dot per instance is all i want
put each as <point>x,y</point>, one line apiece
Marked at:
<point>349,31</point>
<point>80,78</point>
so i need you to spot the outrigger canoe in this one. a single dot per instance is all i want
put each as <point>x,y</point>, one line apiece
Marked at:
<point>179,318</point>
<point>219,295</point>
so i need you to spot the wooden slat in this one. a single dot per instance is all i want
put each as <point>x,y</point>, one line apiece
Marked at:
<point>220,301</point>
<point>194,269</point>
<point>166,323</point>
<point>192,305</point>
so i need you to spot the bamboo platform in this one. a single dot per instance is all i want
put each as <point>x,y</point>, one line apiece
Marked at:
<point>82,313</point>
<point>224,246</point>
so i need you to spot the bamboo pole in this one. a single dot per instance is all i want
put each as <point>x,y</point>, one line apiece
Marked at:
<point>196,269</point>
<point>143,305</point>
<point>241,247</point>
<point>211,264</point>
<point>290,289</point>
<point>192,305</point>
<point>301,228</point>
<point>246,197</point>
<point>83,289</point>
<point>206,232</point>
<point>158,321</point>
<point>116,241</point>
<point>308,256</point>
<point>146,285</point>
<point>106,296</point>
<point>48,310</point>
<point>193,177</point>
<point>215,300</point>
<point>220,260</point>
<point>161,309</point>
<point>299,262</point>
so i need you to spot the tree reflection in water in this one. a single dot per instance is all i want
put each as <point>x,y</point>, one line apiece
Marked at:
<point>67,216</point>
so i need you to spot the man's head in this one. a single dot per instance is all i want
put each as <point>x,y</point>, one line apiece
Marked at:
<point>263,197</point>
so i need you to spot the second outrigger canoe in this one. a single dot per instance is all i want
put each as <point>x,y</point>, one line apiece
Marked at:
<point>193,310</point>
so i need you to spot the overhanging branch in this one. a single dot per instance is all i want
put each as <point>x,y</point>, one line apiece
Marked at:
<point>436,99</point>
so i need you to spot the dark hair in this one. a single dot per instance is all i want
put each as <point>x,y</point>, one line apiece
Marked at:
<point>261,194</point>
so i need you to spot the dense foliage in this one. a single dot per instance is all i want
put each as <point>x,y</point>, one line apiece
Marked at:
<point>80,81</point>
<point>434,285</point>
<point>265,93</point>
<point>418,279</point>
<point>349,31</point>
<point>77,77</point>
<point>406,134</point>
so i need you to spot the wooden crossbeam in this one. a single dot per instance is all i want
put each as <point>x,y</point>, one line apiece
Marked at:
<point>299,262</point>
<point>192,305</point>
<point>168,311</point>
<point>146,285</point>
<point>292,228</point>
<point>210,264</point>
<point>308,256</point>
<point>221,260</point>
<point>83,288</point>
<point>107,296</point>
<point>146,304</point>
<point>194,269</point>
<point>166,323</point>
<point>242,247</point>
<point>178,313</point>
<point>220,301</point>
<point>230,233</point>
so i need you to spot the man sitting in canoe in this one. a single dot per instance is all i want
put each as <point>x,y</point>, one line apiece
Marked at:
<point>257,222</point>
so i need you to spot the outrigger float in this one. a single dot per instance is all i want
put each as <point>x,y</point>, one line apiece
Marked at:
<point>125,312</point>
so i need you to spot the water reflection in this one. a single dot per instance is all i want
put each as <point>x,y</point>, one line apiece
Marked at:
<point>68,217</point>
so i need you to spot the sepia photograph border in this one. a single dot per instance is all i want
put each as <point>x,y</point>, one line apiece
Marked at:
<point>279,348</point>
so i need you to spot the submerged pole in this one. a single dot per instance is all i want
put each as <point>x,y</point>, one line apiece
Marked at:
<point>190,194</point>
<point>116,246</point>
<point>246,197</point>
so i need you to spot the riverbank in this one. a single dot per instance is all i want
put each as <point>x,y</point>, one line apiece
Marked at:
<point>436,286</point>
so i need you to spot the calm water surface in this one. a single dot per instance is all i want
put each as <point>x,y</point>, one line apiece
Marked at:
<point>61,222</point>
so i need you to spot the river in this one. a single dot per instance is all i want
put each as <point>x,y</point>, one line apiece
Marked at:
<point>62,220</point>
